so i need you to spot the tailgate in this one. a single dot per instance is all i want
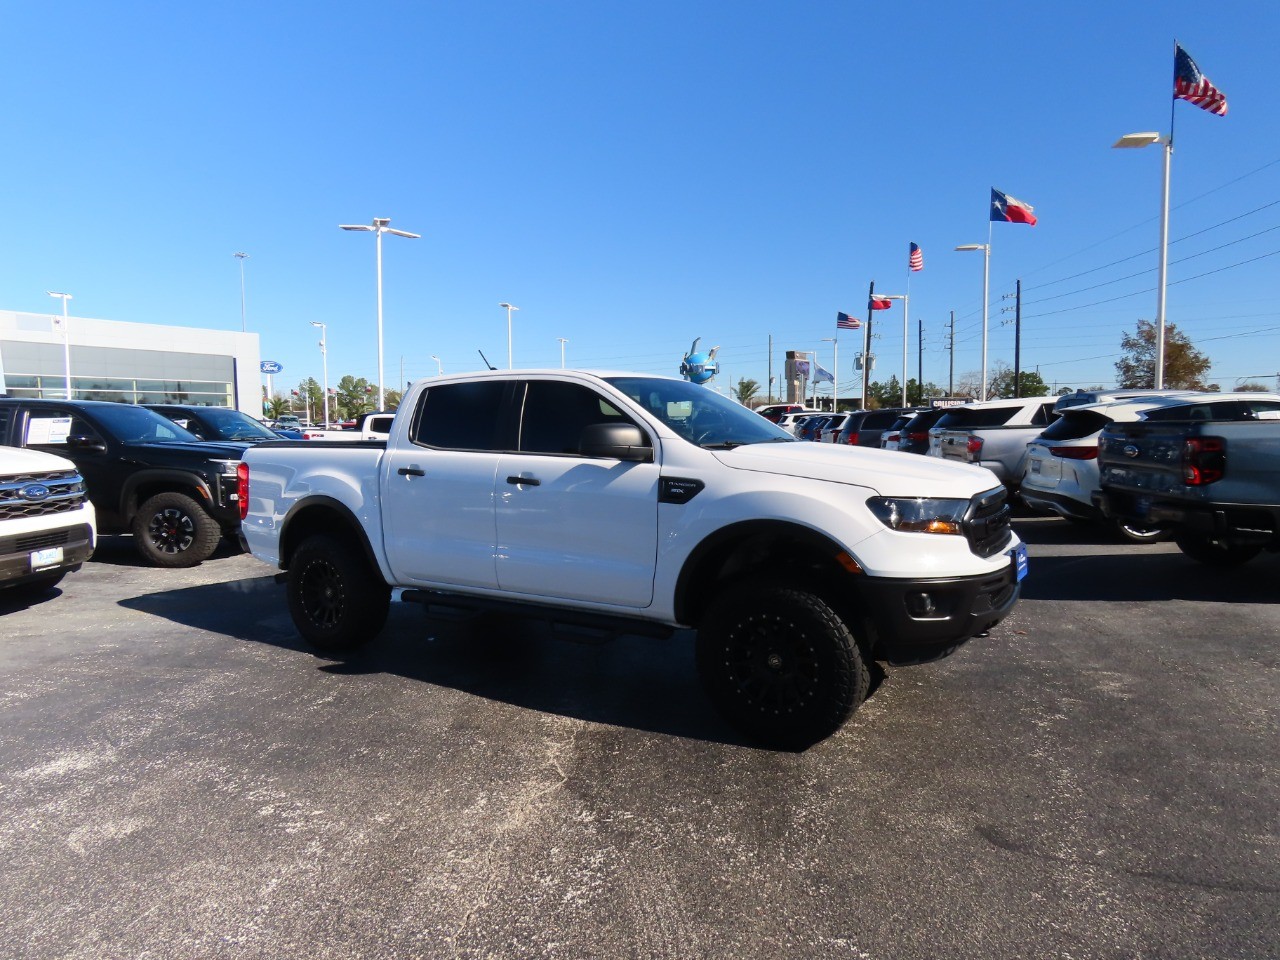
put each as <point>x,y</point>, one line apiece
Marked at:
<point>954,445</point>
<point>1143,457</point>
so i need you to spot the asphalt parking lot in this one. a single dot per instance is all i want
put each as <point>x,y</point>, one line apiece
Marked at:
<point>179,777</point>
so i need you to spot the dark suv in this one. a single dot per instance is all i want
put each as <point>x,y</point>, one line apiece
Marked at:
<point>914,436</point>
<point>864,427</point>
<point>145,475</point>
<point>220,423</point>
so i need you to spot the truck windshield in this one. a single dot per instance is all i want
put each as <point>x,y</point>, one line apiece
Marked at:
<point>129,423</point>
<point>228,424</point>
<point>699,414</point>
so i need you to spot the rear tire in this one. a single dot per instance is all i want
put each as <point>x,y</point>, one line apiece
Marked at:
<point>780,663</point>
<point>172,530</point>
<point>1215,553</point>
<point>337,600</point>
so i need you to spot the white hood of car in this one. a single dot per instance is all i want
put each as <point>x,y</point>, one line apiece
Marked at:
<point>22,460</point>
<point>887,472</point>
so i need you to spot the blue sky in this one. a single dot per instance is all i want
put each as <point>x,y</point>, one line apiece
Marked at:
<point>634,176</point>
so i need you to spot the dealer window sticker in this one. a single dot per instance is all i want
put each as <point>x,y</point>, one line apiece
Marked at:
<point>47,430</point>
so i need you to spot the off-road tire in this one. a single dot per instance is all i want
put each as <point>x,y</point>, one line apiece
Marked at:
<point>1215,553</point>
<point>173,530</point>
<point>780,663</point>
<point>338,601</point>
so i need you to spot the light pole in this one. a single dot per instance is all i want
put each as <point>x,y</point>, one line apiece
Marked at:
<point>439,366</point>
<point>378,228</point>
<point>835,362</point>
<point>324,353</point>
<point>986,283</point>
<point>563,341</point>
<point>66,338</point>
<point>242,257</point>
<point>509,307</point>
<point>1146,140</point>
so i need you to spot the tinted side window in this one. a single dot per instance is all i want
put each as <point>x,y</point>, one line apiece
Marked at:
<point>1222,410</point>
<point>973,419</point>
<point>461,416</point>
<point>1074,426</point>
<point>879,418</point>
<point>555,413</point>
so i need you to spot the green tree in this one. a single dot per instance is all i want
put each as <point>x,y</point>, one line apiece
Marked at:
<point>746,390</point>
<point>276,406</point>
<point>1251,387</point>
<point>355,396</point>
<point>1001,383</point>
<point>1184,365</point>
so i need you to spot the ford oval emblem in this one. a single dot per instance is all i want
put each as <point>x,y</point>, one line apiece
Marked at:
<point>1130,450</point>
<point>34,491</point>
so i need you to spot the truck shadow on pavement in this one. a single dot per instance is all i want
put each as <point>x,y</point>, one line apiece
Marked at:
<point>633,682</point>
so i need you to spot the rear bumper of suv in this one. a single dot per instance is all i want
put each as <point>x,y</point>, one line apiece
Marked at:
<point>1241,523</point>
<point>920,620</point>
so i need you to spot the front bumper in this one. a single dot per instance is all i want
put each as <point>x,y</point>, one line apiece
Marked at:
<point>17,552</point>
<point>919,620</point>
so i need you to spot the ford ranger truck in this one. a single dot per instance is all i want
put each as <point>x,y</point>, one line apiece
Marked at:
<point>642,504</point>
<point>1207,467</point>
<point>47,524</point>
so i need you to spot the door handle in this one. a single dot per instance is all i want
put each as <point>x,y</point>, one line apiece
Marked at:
<point>411,472</point>
<point>524,481</point>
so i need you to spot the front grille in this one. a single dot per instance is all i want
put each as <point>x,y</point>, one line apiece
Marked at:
<point>29,543</point>
<point>66,493</point>
<point>986,525</point>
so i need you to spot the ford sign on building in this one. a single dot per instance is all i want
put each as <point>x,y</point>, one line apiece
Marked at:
<point>270,366</point>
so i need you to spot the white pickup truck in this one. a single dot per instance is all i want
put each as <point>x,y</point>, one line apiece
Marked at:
<point>369,426</point>
<point>642,504</point>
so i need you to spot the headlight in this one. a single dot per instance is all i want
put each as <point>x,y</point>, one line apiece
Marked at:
<point>226,468</point>
<point>920,515</point>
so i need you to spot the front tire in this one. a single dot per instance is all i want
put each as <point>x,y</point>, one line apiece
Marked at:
<point>337,600</point>
<point>172,530</point>
<point>1216,553</point>
<point>780,663</point>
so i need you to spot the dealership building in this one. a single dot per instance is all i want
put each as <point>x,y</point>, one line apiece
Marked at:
<point>40,355</point>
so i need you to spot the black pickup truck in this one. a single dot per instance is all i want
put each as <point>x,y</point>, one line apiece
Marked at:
<point>1206,467</point>
<point>145,475</point>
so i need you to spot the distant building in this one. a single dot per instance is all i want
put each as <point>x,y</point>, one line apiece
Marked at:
<point>128,362</point>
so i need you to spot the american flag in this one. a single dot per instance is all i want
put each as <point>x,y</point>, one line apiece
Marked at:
<point>1193,86</point>
<point>917,258</point>
<point>846,322</point>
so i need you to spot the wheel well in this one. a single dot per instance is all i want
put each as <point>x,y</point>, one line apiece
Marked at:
<point>148,489</point>
<point>784,551</point>
<point>327,518</point>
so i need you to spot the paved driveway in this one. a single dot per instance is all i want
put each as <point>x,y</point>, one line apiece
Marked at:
<point>179,777</point>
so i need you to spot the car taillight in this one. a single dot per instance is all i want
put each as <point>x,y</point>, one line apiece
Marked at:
<point>920,437</point>
<point>1204,460</point>
<point>851,439</point>
<point>974,445</point>
<point>1075,453</point>
<point>242,488</point>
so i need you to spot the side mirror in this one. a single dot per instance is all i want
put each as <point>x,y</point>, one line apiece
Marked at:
<point>86,443</point>
<point>617,441</point>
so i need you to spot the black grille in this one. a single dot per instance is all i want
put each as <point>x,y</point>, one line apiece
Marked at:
<point>986,525</point>
<point>66,493</point>
<point>27,543</point>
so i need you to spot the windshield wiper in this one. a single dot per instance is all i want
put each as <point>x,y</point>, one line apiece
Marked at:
<point>721,445</point>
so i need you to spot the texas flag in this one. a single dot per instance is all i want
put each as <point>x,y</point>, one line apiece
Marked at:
<point>880,303</point>
<point>1007,209</point>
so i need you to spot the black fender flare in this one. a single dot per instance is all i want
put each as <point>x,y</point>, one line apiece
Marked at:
<point>348,521</point>
<point>173,478</point>
<point>717,546</point>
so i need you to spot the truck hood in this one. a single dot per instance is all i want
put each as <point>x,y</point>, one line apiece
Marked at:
<point>887,472</point>
<point>20,460</point>
<point>209,449</point>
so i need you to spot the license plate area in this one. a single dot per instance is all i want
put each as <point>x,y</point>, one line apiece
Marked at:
<point>43,559</point>
<point>1018,558</point>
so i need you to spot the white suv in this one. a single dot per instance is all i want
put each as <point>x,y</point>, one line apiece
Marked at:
<point>48,526</point>
<point>992,433</point>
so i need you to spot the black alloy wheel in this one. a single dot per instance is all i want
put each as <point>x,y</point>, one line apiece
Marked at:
<point>336,599</point>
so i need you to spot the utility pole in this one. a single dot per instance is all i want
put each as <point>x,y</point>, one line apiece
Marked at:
<point>951,372</point>
<point>920,361</point>
<point>770,368</point>
<point>1017,340</point>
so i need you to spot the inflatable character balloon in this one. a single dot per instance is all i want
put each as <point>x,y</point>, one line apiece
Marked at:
<point>699,367</point>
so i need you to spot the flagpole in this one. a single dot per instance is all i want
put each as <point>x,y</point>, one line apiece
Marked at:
<point>1162,284</point>
<point>906,308</point>
<point>866,348</point>
<point>986,296</point>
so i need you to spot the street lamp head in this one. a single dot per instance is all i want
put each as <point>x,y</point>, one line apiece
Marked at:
<point>356,226</point>
<point>316,323</point>
<point>508,306</point>
<point>1144,139</point>
<point>241,256</point>
<point>972,246</point>
<point>381,221</point>
<point>65,296</point>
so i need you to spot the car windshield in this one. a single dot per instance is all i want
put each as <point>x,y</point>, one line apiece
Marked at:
<point>699,414</point>
<point>228,424</point>
<point>130,423</point>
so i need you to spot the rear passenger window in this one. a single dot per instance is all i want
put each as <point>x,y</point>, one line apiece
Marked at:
<point>969,419</point>
<point>461,416</point>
